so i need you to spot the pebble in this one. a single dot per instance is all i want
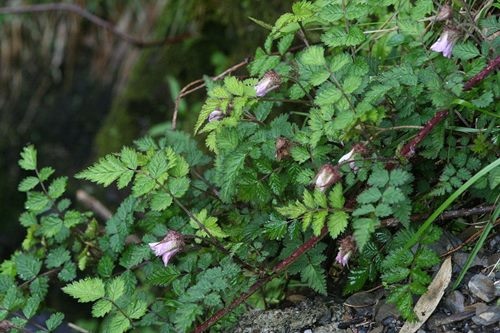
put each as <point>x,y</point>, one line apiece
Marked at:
<point>482,287</point>
<point>487,316</point>
<point>455,302</point>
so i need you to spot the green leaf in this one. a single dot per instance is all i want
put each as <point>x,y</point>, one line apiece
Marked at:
<point>164,276</point>
<point>426,258</point>
<point>369,195</point>
<point>318,221</point>
<point>105,171</point>
<point>261,23</point>
<point>45,173</point>
<point>57,187</point>
<point>398,258</point>
<point>36,202</point>
<point>27,184</point>
<point>313,56</point>
<point>101,307</point>
<point>86,290</point>
<point>143,184</point>
<point>68,273</point>
<point>399,177</point>
<point>178,186</point>
<point>337,36</point>
<point>129,158</point>
<point>51,225</point>
<point>336,197</point>
<point>115,288</point>
<point>363,228</point>
<point>134,255</point>
<point>117,323</point>
<point>383,210</point>
<point>158,165</point>
<point>54,321</point>
<point>28,158</point>
<point>395,274</point>
<point>27,266</point>
<point>27,219</point>
<point>309,200</point>
<point>160,201</point>
<point>337,223</point>
<point>136,309</point>
<point>315,278</point>
<point>300,154</point>
<point>465,51</point>
<point>105,266</point>
<point>31,306</point>
<point>393,195</point>
<point>292,210</point>
<point>320,199</point>
<point>352,83</point>
<point>356,279</point>
<point>209,223</point>
<point>57,257</point>
<point>379,177</point>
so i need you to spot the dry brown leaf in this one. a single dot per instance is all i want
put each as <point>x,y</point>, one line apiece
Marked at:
<point>429,301</point>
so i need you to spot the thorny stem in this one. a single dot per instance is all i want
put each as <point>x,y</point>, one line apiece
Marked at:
<point>410,147</point>
<point>75,9</point>
<point>482,74</point>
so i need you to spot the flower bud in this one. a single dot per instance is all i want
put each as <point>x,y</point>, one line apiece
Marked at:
<point>283,146</point>
<point>216,115</point>
<point>445,13</point>
<point>169,246</point>
<point>327,175</point>
<point>270,81</point>
<point>347,246</point>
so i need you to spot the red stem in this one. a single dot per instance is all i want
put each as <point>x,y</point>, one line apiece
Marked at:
<point>482,74</point>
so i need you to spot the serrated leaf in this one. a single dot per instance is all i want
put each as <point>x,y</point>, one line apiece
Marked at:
<point>308,200</point>
<point>86,290</point>
<point>115,288</point>
<point>101,308</point>
<point>399,177</point>
<point>369,195</point>
<point>27,219</point>
<point>318,221</point>
<point>178,186</point>
<point>136,309</point>
<point>68,273</point>
<point>27,266</point>
<point>105,171</point>
<point>379,177</point>
<point>160,201</point>
<point>352,83</point>
<point>28,158</point>
<point>143,184</point>
<point>164,276</point>
<point>465,51</point>
<point>31,306</point>
<point>363,228</point>
<point>336,197</point>
<point>300,154</point>
<point>36,202</point>
<point>393,195</point>
<point>57,187</point>
<point>395,274</point>
<point>337,223</point>
<point>315,278</point>
<point>313,56</point>
<point>45,173</point>
<point>356,279</point>
<point>129,157</point>
<point>383,210</point>
<point>27,184</point>
<point>57,257</point>
<point>117,323</point>
<point>54,321</point>
<point>105,266</point>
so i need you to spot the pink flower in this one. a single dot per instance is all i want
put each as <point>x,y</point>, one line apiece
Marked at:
<point>346,248</point>
<point>327,175</point>
<point>445,43</point>
<point>270,81</point>
<point>358,148</point>
<point>169,246</point>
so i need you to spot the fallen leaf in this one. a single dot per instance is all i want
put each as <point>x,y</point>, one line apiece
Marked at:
<point>430,300</point>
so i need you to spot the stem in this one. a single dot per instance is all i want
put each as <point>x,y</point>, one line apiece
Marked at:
<point>474,81</point>
<point>75,9</point>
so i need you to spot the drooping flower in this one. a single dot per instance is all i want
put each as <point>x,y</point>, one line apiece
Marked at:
<point>283,146</point>
<point>270,81</point>
<point>445,42</point>
<point>445,13</point>
<point>346,249</point>
<point>326,176</point>
<point>168,246</point>
<point>215,115</point>
<point>358,148</point>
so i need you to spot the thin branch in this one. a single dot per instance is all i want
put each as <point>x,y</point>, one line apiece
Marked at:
<point>77,10</point>
<point>199,84</point>
<point>93,204</point>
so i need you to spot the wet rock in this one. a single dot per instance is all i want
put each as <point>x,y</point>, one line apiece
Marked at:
<point>455,302</point>
<point>487,315</point>
<point>482,287</point>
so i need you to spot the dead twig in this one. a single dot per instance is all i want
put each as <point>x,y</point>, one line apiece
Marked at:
<point>75,9</point>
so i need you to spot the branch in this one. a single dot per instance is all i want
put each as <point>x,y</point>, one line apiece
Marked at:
<point>75,9</point>
<point>482,74</point>
<point>446,215</point>
<point>93,204</point>
<point>409,149</point>
<point>257,285</point>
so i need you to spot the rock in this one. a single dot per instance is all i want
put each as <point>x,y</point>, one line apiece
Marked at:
<point>487,316</point>
<point>455,302</point>
<point>308,331</point>
<point>459,258</point>
<point>385,310</point>
<point>482,287</point>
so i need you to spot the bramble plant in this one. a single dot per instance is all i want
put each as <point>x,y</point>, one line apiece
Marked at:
<point>350,129</point>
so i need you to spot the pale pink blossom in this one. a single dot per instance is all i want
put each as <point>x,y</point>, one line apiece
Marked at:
<point>216,115</point>
<point>445,43</point>
<point>346,249</point>
<point>168,246</point>
<point>270,81</point>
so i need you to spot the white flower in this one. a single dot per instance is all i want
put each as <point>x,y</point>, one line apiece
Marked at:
<point>169,246</point>
<point>326,176</point>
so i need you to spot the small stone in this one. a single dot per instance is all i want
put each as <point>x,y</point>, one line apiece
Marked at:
<point>488,316</point>
<point>455,302</point>
<point>385,310</point>
<point>308,331</point>
<point>482,287</point>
